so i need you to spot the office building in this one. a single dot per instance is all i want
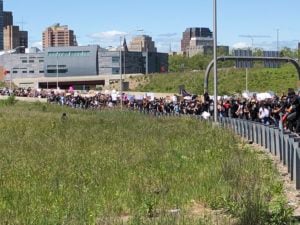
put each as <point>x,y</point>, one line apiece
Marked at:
<point>14,38</point>
<point>8,19</point>
<point>1,25</point>
<point>143,43</point>
<point>196,39</point>
<point>23,39</point>
<point>81,66</point>
<point>23,65</point>
<point>109,62</point>
<point>71,61</point>
<point>11,37</point>
<point>58,36</point>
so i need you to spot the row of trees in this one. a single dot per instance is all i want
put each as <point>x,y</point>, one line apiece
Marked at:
<point>181,63</point>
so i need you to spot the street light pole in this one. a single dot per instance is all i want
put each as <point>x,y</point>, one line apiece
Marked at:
<point>121,78</point>
<point>215,62</point>
<point>10,73</point>
<point>57,70</point>
<point>147,60</point>
<point>277,40</point>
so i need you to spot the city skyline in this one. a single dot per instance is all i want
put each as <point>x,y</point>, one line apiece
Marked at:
<point>104,22</point>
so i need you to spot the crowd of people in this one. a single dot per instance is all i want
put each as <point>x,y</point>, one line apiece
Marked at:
<point>269,111</point>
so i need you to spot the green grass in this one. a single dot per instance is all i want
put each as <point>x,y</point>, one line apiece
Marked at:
<point>100,167</point>
<point>230,81</point>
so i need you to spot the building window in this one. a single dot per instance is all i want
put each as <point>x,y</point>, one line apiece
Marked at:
<point>52,53</point>
<point>24,61</point>
<point>31,61</point>
<point>15,71</point>
<point>24,71</point>
<point>31,71</point>
<point>115,70</point>
<point>115,59</point>
<point>63,54</point>
<point>41,60</point>
<point>59,71</point>
<point>55,66</point>
<point>69,53</point>
<point>41,71</point>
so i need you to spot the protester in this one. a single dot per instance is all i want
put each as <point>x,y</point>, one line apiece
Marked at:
<point>267,111</point>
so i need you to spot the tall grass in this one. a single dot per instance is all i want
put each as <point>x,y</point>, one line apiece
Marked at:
<point>230,81</point>
<point>104,167</point>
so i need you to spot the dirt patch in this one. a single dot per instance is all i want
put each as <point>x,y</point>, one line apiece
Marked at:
<point>198,210</point>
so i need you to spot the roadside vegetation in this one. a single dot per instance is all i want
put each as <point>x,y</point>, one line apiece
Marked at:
<point>114,167</point>
<point>231,81</point>
<point>190,73</point>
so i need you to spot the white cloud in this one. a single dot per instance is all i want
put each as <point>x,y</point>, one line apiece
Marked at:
<point>107,38</point>
<point>168,35</point>
<point>108,35</point>
<point>267,46</point>
<point>38,44</point>
<point>241,45</point>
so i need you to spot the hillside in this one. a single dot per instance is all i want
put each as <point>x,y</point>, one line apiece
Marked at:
<point>230,81</point>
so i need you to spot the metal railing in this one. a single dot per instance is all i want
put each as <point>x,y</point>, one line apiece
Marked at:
<point>281,143</point>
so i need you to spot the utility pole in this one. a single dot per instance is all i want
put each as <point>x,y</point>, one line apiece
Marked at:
<point>251,37</point>
<point>147,60</point>
<point>215,63</point>
<point>246,79</point>
<point>57,70</point>
<point>277,40</point>
<point>121,78</point>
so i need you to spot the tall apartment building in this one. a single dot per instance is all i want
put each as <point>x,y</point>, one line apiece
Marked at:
<point>143,43</point>
<point>58,36</point>
<point>1,25</point>
<point>193,37</point>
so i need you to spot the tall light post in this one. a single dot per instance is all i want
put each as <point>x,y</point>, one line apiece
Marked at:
<point>121,77</point>
<point>57,70</point>
<point>215,62</point>
<point>277,31</point>
<point>147,60</point>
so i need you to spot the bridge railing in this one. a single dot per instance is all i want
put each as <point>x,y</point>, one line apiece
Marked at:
<point>282,144</point>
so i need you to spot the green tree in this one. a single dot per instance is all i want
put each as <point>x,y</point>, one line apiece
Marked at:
<point>177,63</point>
<point>288,52</point>
<point>258,52</point>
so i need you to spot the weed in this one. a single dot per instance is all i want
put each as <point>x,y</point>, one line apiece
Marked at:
<point>100,166</point>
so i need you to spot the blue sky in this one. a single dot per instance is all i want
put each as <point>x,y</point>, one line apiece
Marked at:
<point>103,21</point>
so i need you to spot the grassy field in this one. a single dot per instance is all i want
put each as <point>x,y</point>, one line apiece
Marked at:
<point>230,81</point>
<point>121,167</point>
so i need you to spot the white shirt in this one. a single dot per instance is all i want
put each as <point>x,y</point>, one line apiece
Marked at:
<point>263,113</point>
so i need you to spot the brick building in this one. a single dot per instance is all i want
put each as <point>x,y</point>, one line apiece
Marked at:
<point>58,36</point>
